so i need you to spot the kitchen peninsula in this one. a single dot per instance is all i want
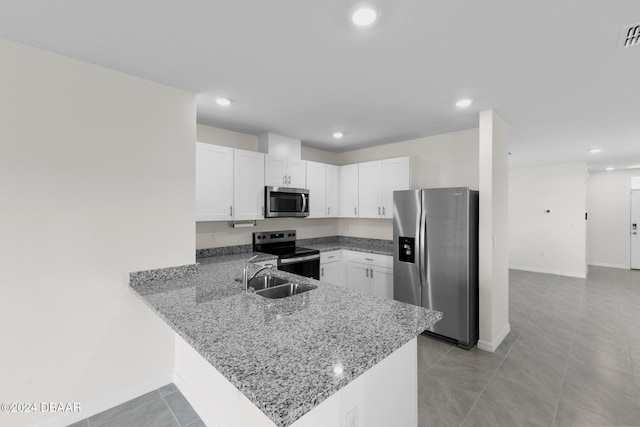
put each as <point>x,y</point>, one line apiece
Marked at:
<point>317,358</point>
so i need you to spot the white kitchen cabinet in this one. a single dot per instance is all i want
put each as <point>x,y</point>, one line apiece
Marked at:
<point>370,273</point>
<point>378,180</point>
<point>248,185</point>
<point>214,182</point>
<point>370,189</point>
<point>317,186</point>
<point>333,190</point>
<point>282,172</point>
<point>396,175</point>
<point>382,281</point>
<point>348,202</point>
<point>332,268</point>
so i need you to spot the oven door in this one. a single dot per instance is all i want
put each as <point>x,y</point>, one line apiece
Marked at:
<point>286,202</point>
<point>306,266</point>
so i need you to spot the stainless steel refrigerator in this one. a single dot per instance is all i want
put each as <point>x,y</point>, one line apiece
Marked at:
<point>435,264</point>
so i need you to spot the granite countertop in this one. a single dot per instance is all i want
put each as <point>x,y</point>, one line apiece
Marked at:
<point>281,353</point>
<point>373,246</point>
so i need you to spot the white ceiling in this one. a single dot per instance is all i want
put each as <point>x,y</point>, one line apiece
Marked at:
<point>551,68</point>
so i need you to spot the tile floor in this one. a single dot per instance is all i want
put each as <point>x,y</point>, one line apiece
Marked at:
<point>165,407</point>
<point>572,359</point>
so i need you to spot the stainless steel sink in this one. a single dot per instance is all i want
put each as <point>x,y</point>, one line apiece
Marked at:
<point>264,282</point>
<point>286,290</point>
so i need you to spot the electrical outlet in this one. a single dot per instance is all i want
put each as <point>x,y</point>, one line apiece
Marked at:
<point>352,418</point>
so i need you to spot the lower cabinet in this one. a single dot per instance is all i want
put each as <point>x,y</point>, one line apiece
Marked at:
<point>370,274</point>
<point>332,268</point>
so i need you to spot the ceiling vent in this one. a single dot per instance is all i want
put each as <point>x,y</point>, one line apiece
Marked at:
<point>630,36</point>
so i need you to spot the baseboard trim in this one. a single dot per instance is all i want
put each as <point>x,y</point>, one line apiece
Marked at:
<point>548,271</point>
<point>606,264</point>
<point>193,400</point>
<point>92,408</point>
<point>493,346</point>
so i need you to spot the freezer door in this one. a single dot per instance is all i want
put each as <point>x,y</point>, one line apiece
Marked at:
<point>446,248</point>
<point>406,244</point>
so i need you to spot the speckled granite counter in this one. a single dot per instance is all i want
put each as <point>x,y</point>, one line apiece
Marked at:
<point>373,246</point>
<point>280,353</point>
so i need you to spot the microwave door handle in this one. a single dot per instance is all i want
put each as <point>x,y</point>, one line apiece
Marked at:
<point>304,202</point>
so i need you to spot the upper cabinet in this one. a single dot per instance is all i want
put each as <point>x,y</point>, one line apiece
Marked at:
<point>283,172</point>
<point>396,175</point>
<point>348,202</point>
<point>333,190</point>
<point>317,185</point>
<point>229,184</point>
<point>214,185</point>
<point>248,185</point>
<point>377,182</point>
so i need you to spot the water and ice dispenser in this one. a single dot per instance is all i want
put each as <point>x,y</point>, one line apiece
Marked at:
<point>407,249</point>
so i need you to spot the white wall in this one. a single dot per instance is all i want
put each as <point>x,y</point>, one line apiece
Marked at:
<point>608,205</point>
<point>493,239</point>
<point>96,180</point>
<point>554,242</point>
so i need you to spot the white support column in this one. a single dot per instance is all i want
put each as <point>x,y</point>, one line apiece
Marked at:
<point>494,230</point>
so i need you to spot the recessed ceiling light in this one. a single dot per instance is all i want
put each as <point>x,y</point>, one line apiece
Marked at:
<point>338,135</point>
<point>463,103</point>
<point>609,169</point>
<point>364,16</point>
<point>225,102</point>
<point>595,151</point>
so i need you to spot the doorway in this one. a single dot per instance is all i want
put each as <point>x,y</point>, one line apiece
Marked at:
<point>635,229</point>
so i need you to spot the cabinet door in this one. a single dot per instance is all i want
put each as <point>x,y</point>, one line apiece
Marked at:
<point>358,277</point>
<point>214,182</point>
<point>382,281</point>
<point>396,175</point>
<point>296,173</point>
<point>370,189</point>
<point>348,203</point>
<point>275,171</point>
<point>248,188</point>
<point>317,185</point>
<point>333,189</point>
<point>332,272</point>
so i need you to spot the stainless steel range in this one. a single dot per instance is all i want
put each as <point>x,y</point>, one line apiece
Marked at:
<point>291,258</point>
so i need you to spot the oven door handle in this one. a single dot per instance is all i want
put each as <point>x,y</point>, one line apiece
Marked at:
<point>299,259</point>
<point>304,202</point>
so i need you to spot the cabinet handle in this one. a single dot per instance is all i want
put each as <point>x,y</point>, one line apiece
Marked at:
<point>322,271</point>
<point>355,210</point>
<point>369,259</point>
<point>262,210</point>
<point>332,256</point>
<point>289,182</point>
<point>329,210</point>
<point>284,179</point>
<point>378,210</point>
<point>367,272</point>
<point>372,273</point>
<point>383,211</point>
<point>230,210</point>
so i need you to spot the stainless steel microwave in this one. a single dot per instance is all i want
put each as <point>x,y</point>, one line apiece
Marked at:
<point>286,202</point>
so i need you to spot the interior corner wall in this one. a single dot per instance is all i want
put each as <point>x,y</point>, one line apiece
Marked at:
<point>96,180</point>
<point>553,242</point>
<point>608,206</point>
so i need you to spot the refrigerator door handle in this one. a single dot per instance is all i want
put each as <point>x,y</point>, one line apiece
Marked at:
<point>422,242</point>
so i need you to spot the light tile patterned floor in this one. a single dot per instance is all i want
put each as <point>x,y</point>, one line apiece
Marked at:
<point>165,407</point>
<point>572,359</point>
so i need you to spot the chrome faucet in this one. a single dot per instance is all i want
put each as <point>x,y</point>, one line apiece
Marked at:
<point>245,272</point>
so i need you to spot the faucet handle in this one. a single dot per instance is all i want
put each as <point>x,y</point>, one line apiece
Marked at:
<point>252,258</point>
